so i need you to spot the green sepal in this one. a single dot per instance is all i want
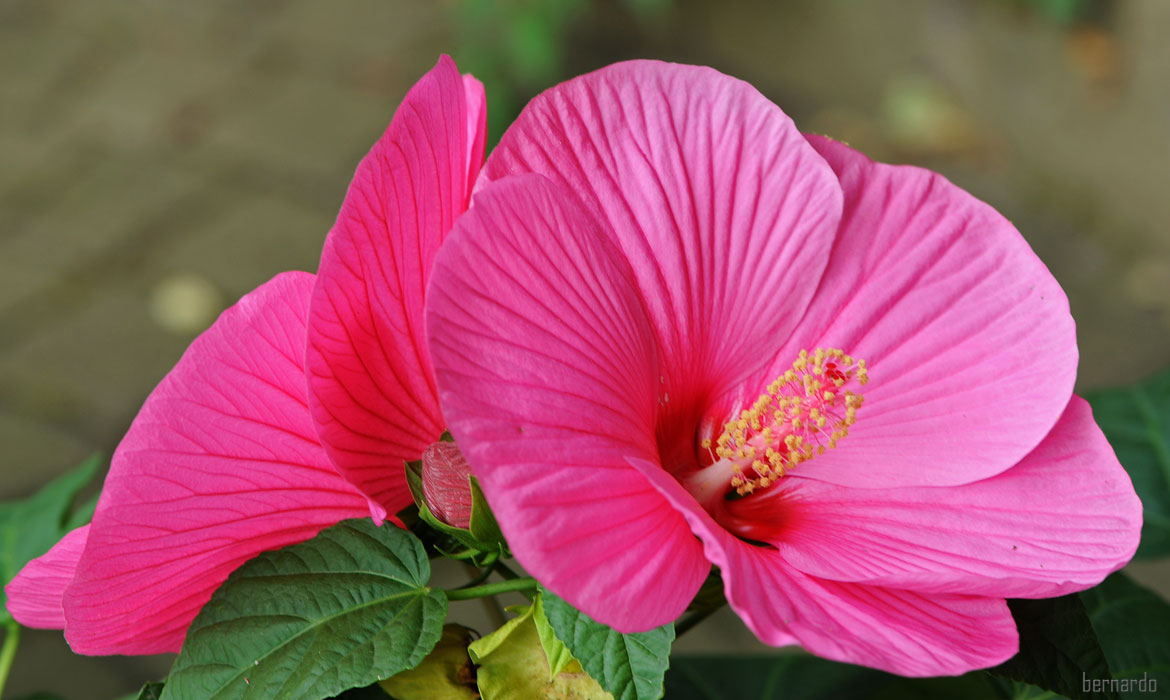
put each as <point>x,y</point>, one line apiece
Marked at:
<point>484,526</point>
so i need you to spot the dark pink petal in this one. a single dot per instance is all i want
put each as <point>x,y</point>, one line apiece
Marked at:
<point>370,384</point>
<point>894,630</point>
<point>34,596</point>
<point>724,211</point>
<point>446,483</point>
<point>221,464</point>
<point>1060,521</point>
<point>547,371</point>
<point>971,349</point>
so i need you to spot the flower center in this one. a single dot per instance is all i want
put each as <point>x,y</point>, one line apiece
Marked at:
<point>804,412</point>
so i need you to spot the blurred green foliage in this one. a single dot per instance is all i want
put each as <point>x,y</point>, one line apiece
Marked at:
<point>518,48</point>
<point>1069,11</point>
<point>515,47</point>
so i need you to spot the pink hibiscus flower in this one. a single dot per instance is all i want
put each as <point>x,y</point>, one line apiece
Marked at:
<point>235,453</point>
<point>617,330</point>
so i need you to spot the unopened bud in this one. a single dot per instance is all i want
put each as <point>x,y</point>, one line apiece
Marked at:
<point>445,483</point>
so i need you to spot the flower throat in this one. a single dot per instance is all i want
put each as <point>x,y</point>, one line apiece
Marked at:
<point>804,412</point>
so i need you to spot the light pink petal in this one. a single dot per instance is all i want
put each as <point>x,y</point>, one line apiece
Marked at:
<point>971,349</point>
<point>370,384</point>
<point>724,211</point>
<point>221,464</point>
<point>893,630</point>
<point>899,631</point>
<point>476,126</point>
<point>1058,522</point>
<point>34,596</point>
<point>546,368</point>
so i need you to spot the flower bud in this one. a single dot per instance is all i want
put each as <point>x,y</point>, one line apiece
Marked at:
<point>445,484</point>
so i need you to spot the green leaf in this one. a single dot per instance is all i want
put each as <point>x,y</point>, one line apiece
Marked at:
<point>972,686</point>
<point>343,610</point>
<point>1064,11</point>
<point>559,656</point>
<point>631,666</point>
<point>1136,420</point>
<point>795,676</point>
<point>786,677</point>
<point>29,528</point>
<point>492,541</point>
<point>446,673</point>
<point>150,691</point>
<point>1015,690</point>
<point>1058,646</point>
<point>710,596</point>
<point>484,646</point>
<point>513,666</point>
<point>82,513</point>
<point>1133,624</point>
<point>370,692</point>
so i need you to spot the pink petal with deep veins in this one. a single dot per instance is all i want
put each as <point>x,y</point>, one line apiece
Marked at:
<point>1060,521</point>
<point>370,383</point>
<point>889,629</point>
<point>547,371</point>
<point>34,596</point>
<point>971,349</point>
<point>221,464</point>
<point>724,211</point>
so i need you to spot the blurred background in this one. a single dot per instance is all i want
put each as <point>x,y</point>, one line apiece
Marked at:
<point>160,159</point>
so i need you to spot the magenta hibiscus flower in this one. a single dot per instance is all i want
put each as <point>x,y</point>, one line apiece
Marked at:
<point>231,454</point>
<point>675,332</point>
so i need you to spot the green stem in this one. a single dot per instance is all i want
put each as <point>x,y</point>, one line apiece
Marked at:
<point>491,606</point>
<point>459,556</point>
<point>481,576</point>
<point>488,589</point>
<point>8,652</point>
<point>506,571</point>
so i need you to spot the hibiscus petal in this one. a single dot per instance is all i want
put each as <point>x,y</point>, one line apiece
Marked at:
<point>35,594</point>
<point>370,384</point>
<point>893,630</point>
<point>546,369</point>
<point>1060,521</point>
<point>971,349</point>
<point>476,126</point>
<point>724,211</point>
<point>899,631</point>
<point>221,463</point>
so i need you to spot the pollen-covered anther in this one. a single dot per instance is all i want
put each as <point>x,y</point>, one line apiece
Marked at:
<point>801,414</point>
